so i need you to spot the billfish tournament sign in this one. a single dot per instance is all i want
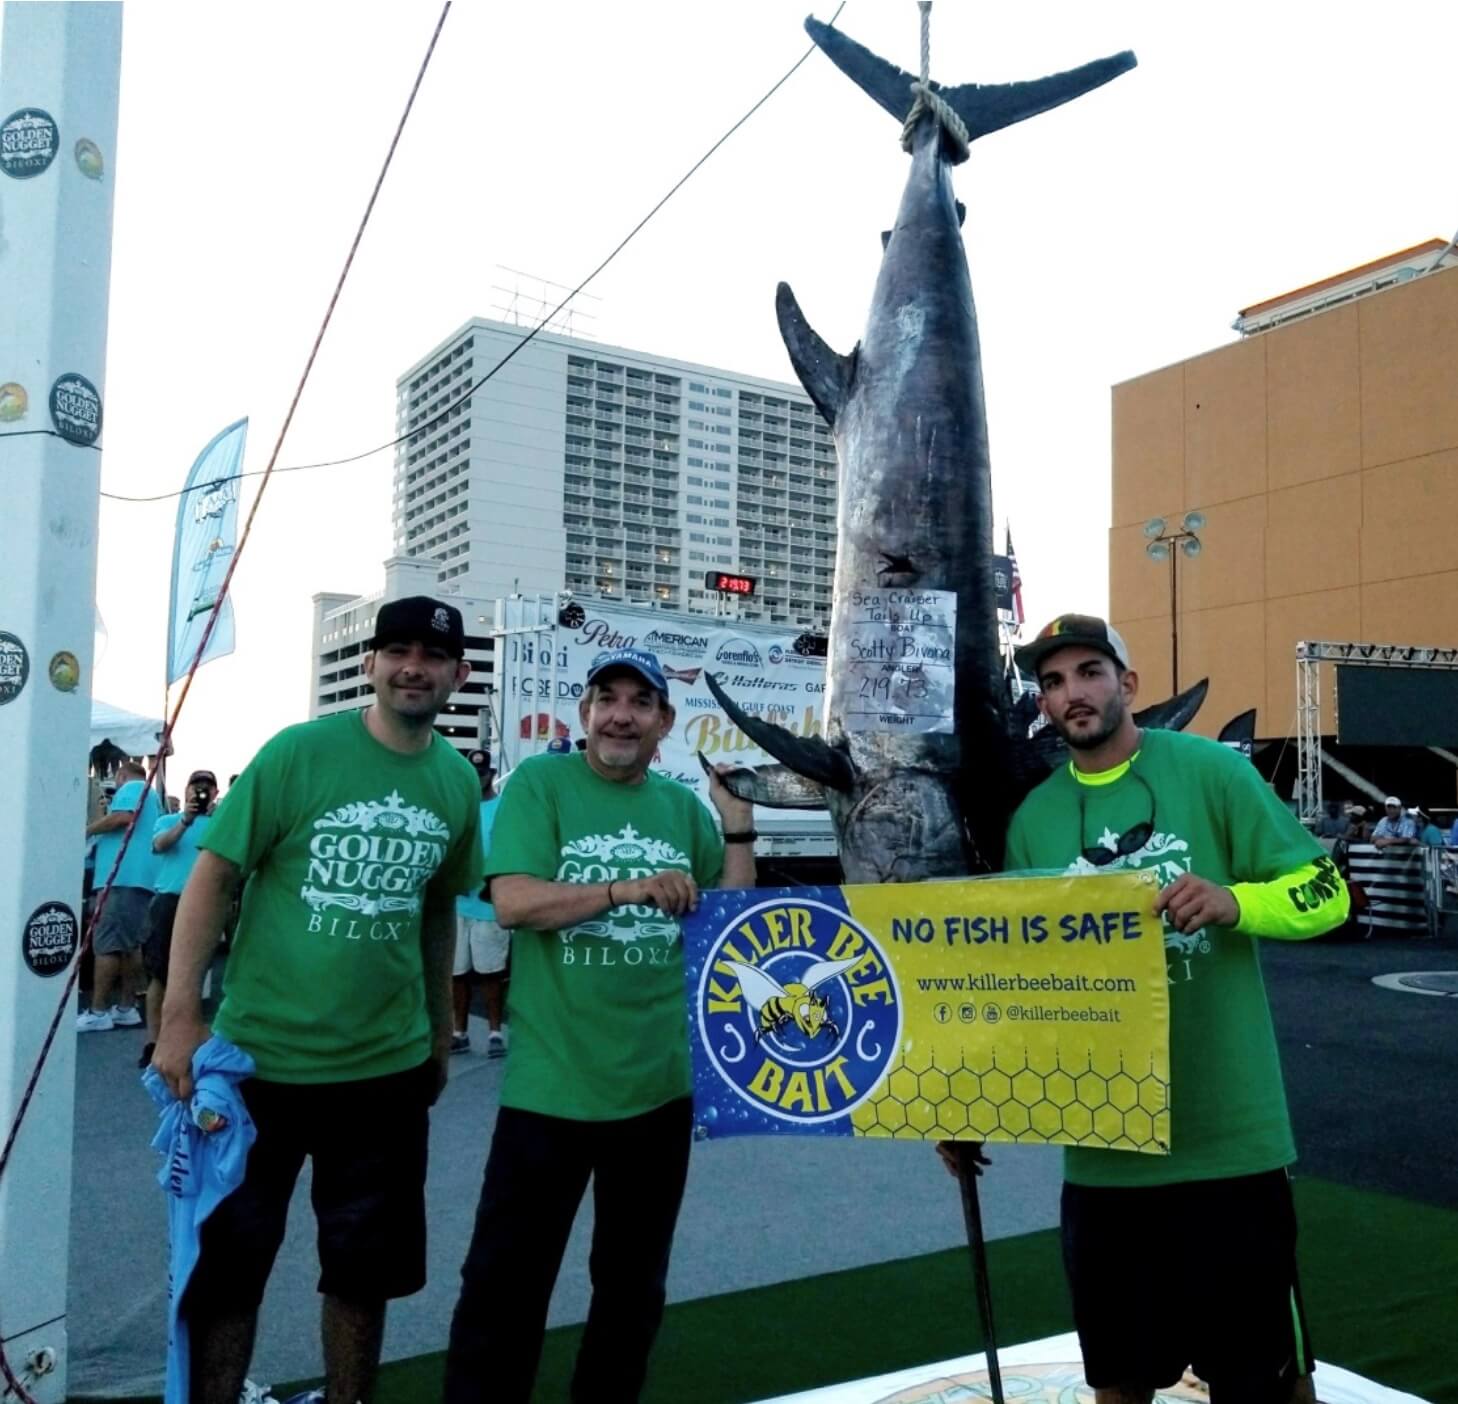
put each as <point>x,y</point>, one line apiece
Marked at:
<point>1033,1010</point>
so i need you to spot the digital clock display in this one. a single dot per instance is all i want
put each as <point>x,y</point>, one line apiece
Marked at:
<point>727,584</point>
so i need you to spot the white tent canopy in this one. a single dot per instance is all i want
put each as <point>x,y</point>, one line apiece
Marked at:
<point>127,731</point>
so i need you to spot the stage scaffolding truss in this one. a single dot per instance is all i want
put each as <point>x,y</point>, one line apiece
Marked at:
<point>1309,658</point>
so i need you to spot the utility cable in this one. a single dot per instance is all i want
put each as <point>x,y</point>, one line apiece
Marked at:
<point>532,334</point>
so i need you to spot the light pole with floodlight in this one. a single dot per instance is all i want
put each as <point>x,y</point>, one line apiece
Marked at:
<point>1165,544</point>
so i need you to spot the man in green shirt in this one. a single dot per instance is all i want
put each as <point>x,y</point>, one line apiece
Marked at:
<point>594,857</point>
<point>1233,864</point>
<point>354,833</point>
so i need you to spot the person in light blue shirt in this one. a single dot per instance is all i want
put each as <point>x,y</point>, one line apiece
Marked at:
<point>482,944</point>
<point>1396,826</point>
<point>117,942</point>
<point>174,842</point>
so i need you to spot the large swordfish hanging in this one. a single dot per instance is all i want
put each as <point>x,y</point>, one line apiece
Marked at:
<point>915,514</point>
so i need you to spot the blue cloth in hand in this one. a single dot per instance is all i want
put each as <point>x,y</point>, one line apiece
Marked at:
<point>200,1169</point>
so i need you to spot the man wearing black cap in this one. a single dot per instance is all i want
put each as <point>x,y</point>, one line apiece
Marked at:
<point>1232,864</point>
<point>354,833</point>
<point>174,840</point>
<point>594,857</point>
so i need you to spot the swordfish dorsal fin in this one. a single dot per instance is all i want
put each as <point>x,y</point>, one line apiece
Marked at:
<point>809,756</point>
<point>824,373</point>
<point>984,107</point>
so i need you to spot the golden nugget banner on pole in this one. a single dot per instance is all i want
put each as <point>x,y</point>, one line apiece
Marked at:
<point>1006,1009</point>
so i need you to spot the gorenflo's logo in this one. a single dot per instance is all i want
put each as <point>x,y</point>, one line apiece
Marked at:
<point>739,651</point>
<point>798,1010</point>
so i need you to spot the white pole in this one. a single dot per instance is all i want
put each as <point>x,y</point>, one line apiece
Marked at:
<point>59,74</point>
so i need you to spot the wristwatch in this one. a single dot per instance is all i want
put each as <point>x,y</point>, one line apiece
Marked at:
<point>748,836</point>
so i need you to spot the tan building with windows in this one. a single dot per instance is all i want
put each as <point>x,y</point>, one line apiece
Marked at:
<point>1322,450</point>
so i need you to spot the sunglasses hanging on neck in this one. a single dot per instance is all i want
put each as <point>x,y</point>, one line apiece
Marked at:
<point>1130,841</point>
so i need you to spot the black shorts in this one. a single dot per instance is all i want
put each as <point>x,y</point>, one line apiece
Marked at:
<point>368,1140</point>
<point>157,947</point>
<point>1200,1275</point>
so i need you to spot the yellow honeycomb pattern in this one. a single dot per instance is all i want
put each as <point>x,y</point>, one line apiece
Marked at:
<point>1106,1108</point>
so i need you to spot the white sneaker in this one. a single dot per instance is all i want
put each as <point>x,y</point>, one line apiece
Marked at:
<point>496,1044</point>
<point>125,1018</point>
<point>94,1022</point>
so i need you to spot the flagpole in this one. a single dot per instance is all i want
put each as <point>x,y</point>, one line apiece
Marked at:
<point>59,81</point>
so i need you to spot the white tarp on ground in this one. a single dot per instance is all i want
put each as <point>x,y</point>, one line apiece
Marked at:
<point>1037,1370</point>
<point>127,731</point>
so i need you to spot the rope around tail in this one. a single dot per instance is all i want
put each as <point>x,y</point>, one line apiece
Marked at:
<point>927,99</point>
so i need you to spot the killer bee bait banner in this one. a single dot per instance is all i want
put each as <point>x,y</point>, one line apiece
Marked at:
<point>1011,1009</point>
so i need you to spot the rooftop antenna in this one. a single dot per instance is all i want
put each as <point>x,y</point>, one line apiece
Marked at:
<point>529,299</point>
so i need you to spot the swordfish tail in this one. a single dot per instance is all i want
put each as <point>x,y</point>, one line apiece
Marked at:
<point>984,107</point>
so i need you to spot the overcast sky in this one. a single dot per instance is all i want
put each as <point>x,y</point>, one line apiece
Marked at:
<point>1256,148</point>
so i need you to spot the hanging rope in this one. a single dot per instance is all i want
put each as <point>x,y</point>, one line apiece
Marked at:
<point>927,99</point>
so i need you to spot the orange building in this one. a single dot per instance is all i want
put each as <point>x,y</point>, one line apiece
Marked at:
<point>1322,450</point>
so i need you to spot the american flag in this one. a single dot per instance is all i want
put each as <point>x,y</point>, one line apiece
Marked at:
<point>1017,580</point>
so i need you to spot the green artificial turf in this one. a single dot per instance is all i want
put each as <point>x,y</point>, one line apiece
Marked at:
<point>1379,1275</point>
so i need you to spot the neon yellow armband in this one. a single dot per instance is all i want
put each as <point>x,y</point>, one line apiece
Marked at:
<point>1309,901</point>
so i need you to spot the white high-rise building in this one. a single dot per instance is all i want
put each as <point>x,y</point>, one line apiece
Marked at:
<point>613,473</point>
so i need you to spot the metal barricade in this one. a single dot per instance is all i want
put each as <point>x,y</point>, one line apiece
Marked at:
<point>1395,881</point>
<point>1441,887</point>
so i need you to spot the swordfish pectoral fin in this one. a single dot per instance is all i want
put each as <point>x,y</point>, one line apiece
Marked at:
<point>1177,713</point>
<point>809,756</point>
<point>825,374</point>
<point>774,786</point>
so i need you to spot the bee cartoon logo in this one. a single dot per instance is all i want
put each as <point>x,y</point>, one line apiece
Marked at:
<point>798,1010</point>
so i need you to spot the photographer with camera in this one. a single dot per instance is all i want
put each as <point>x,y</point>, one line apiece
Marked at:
<point>174,840</point>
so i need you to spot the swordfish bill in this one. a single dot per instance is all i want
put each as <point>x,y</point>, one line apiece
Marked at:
<point>915,511</point>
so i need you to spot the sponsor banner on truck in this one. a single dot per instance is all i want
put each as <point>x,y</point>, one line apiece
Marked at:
<point>761,668</point>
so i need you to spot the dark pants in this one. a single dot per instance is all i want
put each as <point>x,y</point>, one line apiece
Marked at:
<point>536,1173</point>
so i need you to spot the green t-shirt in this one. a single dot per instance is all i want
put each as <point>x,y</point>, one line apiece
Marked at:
<point>1213,816</point>
<point>599,1023</point>
<point>339,836</point>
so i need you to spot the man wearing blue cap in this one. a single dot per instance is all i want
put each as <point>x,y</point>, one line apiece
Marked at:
<point>594,858</point>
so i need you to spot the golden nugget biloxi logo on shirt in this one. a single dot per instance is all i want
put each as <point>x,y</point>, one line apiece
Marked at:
<point>1169,856</point>
<point>619,857</point>
<point>370,860</point>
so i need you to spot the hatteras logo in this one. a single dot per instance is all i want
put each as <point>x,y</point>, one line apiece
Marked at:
<point>739,651</point>
<point>798,1010</point>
